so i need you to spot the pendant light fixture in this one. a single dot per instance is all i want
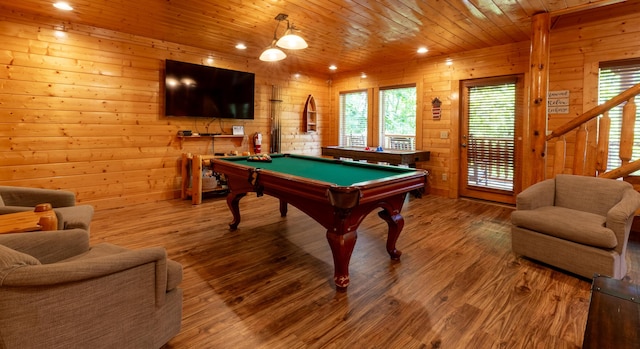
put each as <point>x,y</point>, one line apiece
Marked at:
<point>289,41</point>
<point>272,53</point>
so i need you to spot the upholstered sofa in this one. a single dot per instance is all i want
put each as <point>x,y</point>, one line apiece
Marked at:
<point>70,215</point>
<point>579,224</point>
<point>58,292</point>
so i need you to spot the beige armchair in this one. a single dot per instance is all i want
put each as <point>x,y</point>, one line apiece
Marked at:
<point>577,223</point>
<point>70,215</point>
<point>57,292</point>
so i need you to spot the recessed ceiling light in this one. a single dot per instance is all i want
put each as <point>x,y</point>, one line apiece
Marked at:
<point>363,76</point>
<point>333,67</point>
<point>448,61</point>
<point>241,46</point>
<point>61,5</point>
<point>423,50</point>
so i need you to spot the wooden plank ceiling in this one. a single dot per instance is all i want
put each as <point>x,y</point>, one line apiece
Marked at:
<point>351,34</point>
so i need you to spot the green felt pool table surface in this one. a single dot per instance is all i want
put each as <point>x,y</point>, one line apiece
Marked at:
<point>342,173</point>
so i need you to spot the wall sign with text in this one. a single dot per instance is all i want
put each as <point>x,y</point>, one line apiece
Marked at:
<point>558,102</point>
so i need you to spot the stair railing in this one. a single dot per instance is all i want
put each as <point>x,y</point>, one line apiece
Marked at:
<point>591,159</point>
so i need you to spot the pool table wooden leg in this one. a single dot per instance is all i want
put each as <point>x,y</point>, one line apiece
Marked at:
<point>283,208</point>
<point>341,247</point>
<point>395,223</point>
<point>233,201</point>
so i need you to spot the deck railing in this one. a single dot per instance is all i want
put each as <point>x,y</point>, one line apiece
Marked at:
<point>490,162</point>
<point>399,142</point>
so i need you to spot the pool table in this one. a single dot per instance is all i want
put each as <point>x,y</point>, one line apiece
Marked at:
<point>337,194</point>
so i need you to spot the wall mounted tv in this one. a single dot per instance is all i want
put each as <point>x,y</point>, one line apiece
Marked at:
<point>201,91</point>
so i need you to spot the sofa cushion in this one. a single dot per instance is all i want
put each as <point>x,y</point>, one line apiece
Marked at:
<point>11,259</point>
<point>577,226</point>
<point>602,195</point>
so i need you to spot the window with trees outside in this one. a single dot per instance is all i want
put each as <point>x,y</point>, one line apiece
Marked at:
<point>614,78</point>
<point>353,118</point>
<point>398,118</point>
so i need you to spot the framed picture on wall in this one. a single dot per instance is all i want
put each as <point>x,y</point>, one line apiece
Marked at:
<point>237,130</point>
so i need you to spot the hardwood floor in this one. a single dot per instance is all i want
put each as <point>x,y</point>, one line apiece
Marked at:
<point>269,284</point>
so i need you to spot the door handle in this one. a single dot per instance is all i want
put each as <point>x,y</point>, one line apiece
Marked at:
<point>464,145</point>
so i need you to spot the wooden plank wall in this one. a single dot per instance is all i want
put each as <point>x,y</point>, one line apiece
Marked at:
<point>578,42</point>
<point>81,109</point>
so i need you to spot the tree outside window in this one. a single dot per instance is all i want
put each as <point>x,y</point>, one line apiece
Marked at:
<point>353,119</point>
<point>398,118</point>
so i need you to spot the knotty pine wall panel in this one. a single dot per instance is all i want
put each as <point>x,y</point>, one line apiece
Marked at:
<point>82,110</point>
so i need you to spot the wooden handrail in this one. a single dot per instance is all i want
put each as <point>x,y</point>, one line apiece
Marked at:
<point>591,159</point>
<point>592,113</point>
<point>623,170</point>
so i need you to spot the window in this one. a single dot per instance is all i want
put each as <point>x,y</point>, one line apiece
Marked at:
<point>615,78</point>
<point>398,118</point>
<point>353,119</point>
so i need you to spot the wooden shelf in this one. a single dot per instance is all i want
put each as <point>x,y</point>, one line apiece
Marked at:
<point>238,139</point>
<point>229,136</point>
<point>309,115</point>
<point>214,136</point>
<point>193,184</point>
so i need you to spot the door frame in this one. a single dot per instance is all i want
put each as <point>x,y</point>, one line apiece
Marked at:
<point>488,193</point>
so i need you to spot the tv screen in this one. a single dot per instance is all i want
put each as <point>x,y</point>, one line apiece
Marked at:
<point>202,91</point>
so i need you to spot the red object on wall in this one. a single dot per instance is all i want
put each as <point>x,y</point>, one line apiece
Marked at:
<point>257,143</point>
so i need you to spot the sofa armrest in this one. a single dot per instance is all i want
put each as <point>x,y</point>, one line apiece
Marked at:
<point>538,195</point>
<point>23,196</point>
<point>90,266</point>
<point>619,216</point>
<point>48,246</point>
<point>73,217</point>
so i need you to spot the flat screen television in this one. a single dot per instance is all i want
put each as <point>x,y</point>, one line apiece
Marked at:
<point>201,91</point>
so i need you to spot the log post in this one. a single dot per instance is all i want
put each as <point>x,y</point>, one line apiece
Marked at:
<point>604,125</point>
<point>628,127</point>
<point>535,159</point>
<point>560,155</point>
<point>580,151</point>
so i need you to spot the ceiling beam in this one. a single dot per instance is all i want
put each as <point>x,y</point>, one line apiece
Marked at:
<point>584,7</point>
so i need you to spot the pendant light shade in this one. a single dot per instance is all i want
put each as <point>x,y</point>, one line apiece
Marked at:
<point>292,41</point>
<point>272,54</point>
